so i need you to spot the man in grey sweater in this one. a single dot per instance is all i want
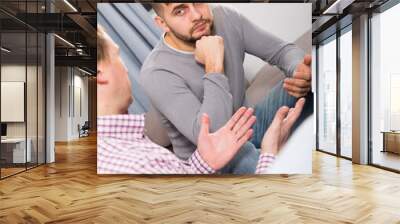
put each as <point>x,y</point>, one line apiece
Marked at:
<point>197,68</point>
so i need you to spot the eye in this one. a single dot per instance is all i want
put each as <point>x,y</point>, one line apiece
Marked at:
<point>179,12</point>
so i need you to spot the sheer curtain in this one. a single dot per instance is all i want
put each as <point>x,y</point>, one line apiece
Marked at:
<point>131,26</point>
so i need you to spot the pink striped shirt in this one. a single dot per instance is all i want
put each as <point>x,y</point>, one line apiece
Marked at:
<point>123,148</point>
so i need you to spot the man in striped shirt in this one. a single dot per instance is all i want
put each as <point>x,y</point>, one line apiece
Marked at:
<point>123,148</point>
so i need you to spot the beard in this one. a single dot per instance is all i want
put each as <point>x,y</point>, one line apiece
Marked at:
<point>190,38</point>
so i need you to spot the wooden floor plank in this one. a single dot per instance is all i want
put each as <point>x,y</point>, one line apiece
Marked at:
<point>70,191</point>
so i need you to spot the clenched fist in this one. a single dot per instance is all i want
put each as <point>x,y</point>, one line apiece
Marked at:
<point>210,52</point>
<point>300,83</point>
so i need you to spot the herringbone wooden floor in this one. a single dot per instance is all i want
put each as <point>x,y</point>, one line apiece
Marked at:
<point>69,191</point>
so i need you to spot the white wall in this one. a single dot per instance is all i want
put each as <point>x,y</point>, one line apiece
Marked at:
<point>81,84</point>
<point>13,73</point>
<point>286,21</point>
<point>12,101</point>
<point>62,81</point>
<point>33,126</point>
<point>70,83</point>
<point>16,73</point>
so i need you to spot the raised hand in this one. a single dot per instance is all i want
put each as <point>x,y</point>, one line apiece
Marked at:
<point>279,130</point>
<point>218,148</point>
<point>300,84</point>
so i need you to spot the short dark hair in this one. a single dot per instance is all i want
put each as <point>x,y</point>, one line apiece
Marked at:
<point>157,7</point>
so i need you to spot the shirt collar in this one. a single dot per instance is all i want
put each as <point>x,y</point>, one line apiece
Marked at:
<point>174,49</point>
<point>121,126</point>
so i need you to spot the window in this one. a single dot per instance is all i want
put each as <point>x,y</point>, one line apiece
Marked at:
<point>346,92</point>
<point>327,96</point>
<point>394,101</point>
<point>385,88</point>
<point>22,77</point>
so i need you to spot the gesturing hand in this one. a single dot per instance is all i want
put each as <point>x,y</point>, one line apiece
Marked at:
<point>300,84</point>
<point>218,148</point>
<point>279,130</point>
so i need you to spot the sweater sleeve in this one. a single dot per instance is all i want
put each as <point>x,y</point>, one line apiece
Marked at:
<point>174,99</point>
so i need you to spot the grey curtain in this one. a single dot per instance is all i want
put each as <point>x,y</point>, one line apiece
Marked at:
<point>132,28</point>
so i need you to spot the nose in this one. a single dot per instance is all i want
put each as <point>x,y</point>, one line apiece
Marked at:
<point>195,12</point>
